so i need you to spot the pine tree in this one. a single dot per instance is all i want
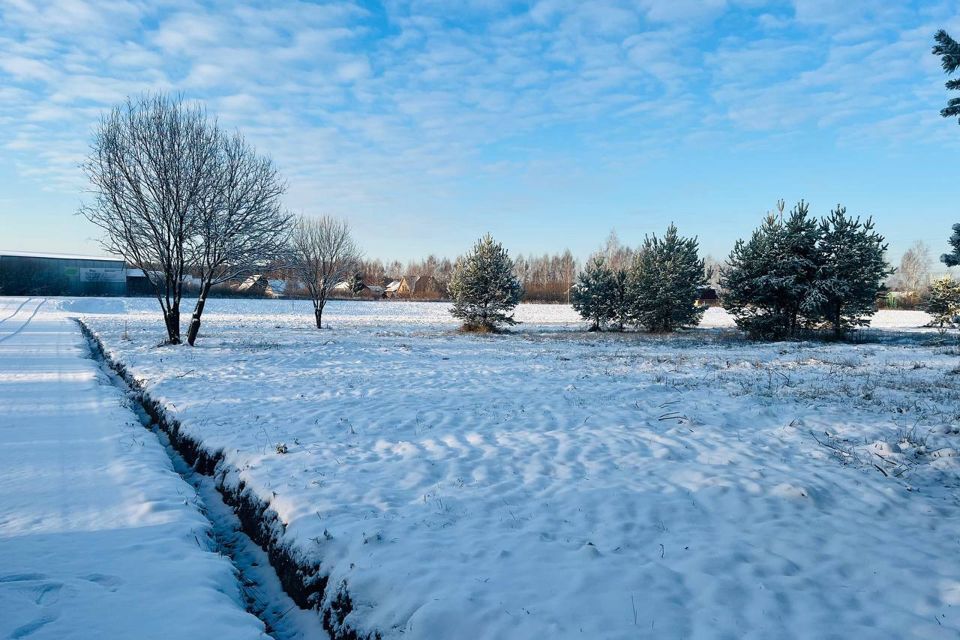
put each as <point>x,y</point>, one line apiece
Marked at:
<point>592,295</point>
<point>949,51</point>
<point>801,262</point>
<point>356,283</point>
<point>953,259</point>
<point>664,283</point>
<point>851,272</point>
<point>767,280</point>
<point>944,303</point>
<point>484,288</point>
<point>746,294</point>
<point>620,301</point>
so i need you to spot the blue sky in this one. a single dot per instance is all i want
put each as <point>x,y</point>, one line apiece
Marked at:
<point>428,123</point>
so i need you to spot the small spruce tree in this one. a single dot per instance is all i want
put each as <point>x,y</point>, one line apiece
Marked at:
<point>484,288</point>
<point>851,271</point>
<point>943,304</point>
<point>593,293</point>
<point>664,283</point>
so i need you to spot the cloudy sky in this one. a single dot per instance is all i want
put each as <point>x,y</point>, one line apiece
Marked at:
<point>429,122</point>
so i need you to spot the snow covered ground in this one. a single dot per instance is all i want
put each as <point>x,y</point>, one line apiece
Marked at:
<point>99,537</point>
<point>556,484</point>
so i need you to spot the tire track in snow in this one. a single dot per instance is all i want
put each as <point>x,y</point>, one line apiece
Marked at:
<point>26,322</point>
<point>22,304</point>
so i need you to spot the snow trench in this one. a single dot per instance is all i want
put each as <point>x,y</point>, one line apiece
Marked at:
<point>305,584</point>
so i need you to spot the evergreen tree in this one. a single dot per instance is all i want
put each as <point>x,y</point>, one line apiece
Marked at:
<point>953,259</point>
<point>620,301</point>
<point>747,295</point>
<point>593,293</point>
<point>851,272</point>
<point>664,283</point>
<point>949,51</point>
<point>767,280</point>
<point>484,288</point>
<point>801,261</point>
<point>356,283</point>
<point>944,302</point>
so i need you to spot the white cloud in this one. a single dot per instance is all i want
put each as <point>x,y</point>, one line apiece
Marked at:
<point>359,105</point>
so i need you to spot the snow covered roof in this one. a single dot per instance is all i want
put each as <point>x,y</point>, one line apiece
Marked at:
<point>249,282</point>
<point>58,256</point>
<point>342,286</point>
<point>393,286</point>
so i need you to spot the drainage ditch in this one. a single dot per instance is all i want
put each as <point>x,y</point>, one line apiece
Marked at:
<point>278,588</point>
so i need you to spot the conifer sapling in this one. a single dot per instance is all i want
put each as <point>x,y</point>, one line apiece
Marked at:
<point>484,287</point>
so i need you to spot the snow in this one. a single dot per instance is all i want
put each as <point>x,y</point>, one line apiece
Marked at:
<point>99,537</point>
<point>557,484</point>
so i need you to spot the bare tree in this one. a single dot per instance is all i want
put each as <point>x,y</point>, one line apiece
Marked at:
<point>324,254</point>
<point>150,166</point>
<point>618,257</point>
<point>914,273</point>
<point>241,225</point>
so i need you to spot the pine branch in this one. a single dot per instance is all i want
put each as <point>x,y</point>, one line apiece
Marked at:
<point>948,49</point>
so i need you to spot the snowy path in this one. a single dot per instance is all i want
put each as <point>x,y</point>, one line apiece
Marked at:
<point>99,537</point>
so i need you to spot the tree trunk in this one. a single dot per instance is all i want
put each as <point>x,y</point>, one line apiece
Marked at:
<point>171,318</point>
<point>318,313</point>
<point>197,312</point>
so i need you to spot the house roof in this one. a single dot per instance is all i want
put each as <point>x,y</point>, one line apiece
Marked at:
<point>59,256</point>
<point>252,281</point>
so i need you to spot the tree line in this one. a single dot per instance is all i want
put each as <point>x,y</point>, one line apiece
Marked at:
<point>795,274</point>
<point>176,195</point>
<point>545,278</point>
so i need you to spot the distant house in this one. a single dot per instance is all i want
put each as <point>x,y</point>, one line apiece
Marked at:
<point>707,297</point>
<point>391,289</point>
<point>374,290</point>
<point>257,285</point>
<point>402,288</point>
<point>343,287</point>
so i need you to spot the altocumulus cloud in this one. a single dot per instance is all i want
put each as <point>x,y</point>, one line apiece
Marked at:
<point>363,104</point>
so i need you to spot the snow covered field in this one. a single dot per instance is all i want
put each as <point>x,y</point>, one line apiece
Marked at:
<point>552,483</point>
<point>99,537</point>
